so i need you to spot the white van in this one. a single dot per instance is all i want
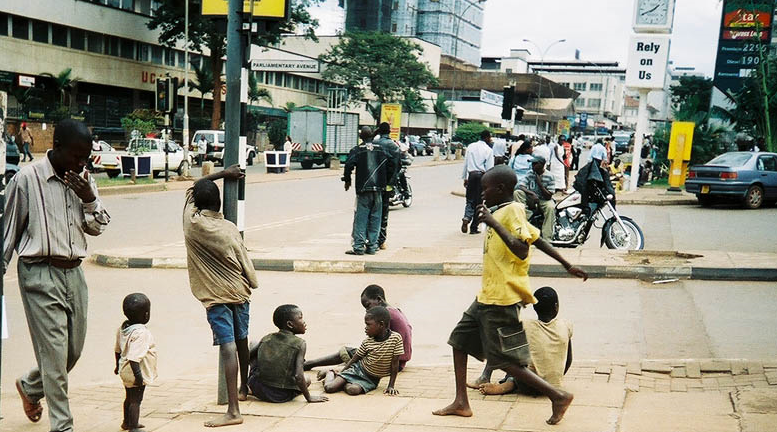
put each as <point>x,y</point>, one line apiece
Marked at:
<point>215,150</point>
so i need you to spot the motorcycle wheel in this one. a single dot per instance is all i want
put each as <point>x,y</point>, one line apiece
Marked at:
<point>408,197</point>
<point>616,238</point>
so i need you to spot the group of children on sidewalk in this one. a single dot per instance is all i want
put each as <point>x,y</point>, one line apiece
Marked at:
<point>535,354</point>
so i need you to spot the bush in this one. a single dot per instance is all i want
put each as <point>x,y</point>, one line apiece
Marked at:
<point>469,132</point>
<point>277,133</point>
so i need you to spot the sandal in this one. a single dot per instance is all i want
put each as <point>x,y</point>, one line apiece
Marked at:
<point>33,410</point>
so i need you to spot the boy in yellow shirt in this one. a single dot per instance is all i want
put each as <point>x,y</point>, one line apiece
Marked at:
<point>490,328</point>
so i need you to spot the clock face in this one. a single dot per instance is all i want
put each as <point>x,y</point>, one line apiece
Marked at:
<point>652,12</point>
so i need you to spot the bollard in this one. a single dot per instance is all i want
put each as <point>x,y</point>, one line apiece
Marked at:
<point>458,153</point>
<point>132,176</point>
<point>207,168</point>
<point>435,153</point>
<point>334,164</point>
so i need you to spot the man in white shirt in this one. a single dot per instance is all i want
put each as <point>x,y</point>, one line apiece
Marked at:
<point>479,159</point>
<point>598,151</point>
<point>499,148</point>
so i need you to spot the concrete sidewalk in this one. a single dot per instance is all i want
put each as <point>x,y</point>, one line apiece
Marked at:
<point>651,396</point>
<point>599,263</point>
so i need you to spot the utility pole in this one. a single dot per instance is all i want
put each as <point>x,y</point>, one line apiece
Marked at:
<point>186,90</point>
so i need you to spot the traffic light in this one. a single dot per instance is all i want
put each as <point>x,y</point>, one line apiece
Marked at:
<point>163,95</point>
<point>508,102</point>
<point>518,114</point>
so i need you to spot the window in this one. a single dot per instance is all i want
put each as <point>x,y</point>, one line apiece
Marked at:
<point>143,52</point>
<point>767,163</point>
<point>127,49</point>
<point>114,3</point>
<point>181,59</point>
<point>112,46</point>
<point>194,60</point>
<point>3,24</point>
<point>295,82</point>
<point>94,42</point>
<point>170,57</point>
<point>594,103</point>
<point>580,86</point>
<point>596,87</point>
<point>59,35</point>
<point>21,28</point>
<point>127,5</point>
<point>156,54</point>
<point>279,79</point>
<point>509,70</point>
<point>143,7</point>
<point>77,37</point>
<point>579,102</point>
<point>393,27</point>
<point>40,31</point>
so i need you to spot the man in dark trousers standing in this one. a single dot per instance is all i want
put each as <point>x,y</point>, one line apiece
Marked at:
<point>479,159</point>
<point>383,139</point>
<point>51,205</point>
<point>373,169</point>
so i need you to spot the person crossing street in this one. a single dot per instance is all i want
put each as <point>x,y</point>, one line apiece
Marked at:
<point>479,159</point>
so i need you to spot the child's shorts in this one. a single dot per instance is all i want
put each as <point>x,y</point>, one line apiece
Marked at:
<point>494,333</point>
<point>269,393</point>
<point>357,375</point>
<point>229,322</point>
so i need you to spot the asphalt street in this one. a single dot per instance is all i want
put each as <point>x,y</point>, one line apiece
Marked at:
<point>613,319</point>
<point>318,210</point>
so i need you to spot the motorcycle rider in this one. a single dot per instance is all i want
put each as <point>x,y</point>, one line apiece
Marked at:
<point>534,191</point>
<point>593,175</point>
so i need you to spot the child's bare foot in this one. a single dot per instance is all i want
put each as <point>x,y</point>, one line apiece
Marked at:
<point>496,389</point>
<point>456,409</point>
<point>321,375</point>
<point>227,420</point>
<point>560,407</point>
<point>242,396</point>
<point>124,426</point>
<point>478,382</point>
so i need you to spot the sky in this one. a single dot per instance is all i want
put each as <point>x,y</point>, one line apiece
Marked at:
<point>600,29</point>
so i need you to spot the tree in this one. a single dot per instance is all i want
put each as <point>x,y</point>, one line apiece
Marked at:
<point>289,107</point>
<point>384,64</point>
<point>691,86</point>
<point>203,33</point>
<point>468,133</point>
<point>756,104</point>
<point>442,108</point>
<point>256,93</point>
<point>64,84</point>
<point>203,83</point>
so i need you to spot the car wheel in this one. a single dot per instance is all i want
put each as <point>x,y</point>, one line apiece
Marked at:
<point>306,164</point>
<point>754,197</point>
<point>705,200</point>
<point>328,162</point>
<point>113,173</point>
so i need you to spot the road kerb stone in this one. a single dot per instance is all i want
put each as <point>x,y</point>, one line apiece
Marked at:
<point>170,263</point>
<point>462,269</point>
<point>693,369</point>
<point>313,266</point>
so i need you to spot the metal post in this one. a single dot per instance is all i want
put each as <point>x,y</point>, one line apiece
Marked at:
<point>642,123</point>
<point>231,134</point>
<point>165,136</point>
<point>186,89</point>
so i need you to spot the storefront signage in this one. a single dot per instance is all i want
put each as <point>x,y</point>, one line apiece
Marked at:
<point>7,77</point>
<point>648,56</point>
<point>491,98</point>
<point>392,114</point>
<point>306,66</point>
<point>26,81</point>
<point>270,9</point>
<point>745,32</point>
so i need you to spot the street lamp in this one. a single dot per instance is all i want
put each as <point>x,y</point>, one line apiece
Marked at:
<point>539,82</point>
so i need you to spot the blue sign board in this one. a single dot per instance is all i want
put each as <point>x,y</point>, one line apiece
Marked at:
<point>583,120</point>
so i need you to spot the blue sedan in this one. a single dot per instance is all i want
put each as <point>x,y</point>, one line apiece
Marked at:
<point>748,177</point>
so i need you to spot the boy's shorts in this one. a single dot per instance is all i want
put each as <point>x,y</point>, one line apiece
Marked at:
<point>493,333</point>
<point>357,375</point>
<point>229,322</point>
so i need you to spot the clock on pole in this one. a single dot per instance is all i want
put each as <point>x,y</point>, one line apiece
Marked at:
<point>653,16</point>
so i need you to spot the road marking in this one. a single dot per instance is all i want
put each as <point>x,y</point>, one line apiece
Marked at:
<point>277,224</point>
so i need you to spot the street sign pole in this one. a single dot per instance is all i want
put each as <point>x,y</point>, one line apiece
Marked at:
<point>642,124</point>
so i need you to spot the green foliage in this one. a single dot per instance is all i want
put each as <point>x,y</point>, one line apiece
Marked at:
<point>60,112</point>
<point>468,133</point>
<point>64,84</point>
<point>277,133</point>
<point>143,120</point>
<point>386,65</point>
<point>413,103</point>
<point>203,83</point>
<point>256,93</point>
<point>692,86</point>
<point>750,113</point>
<point>374,110</point>
<point>441,106</point>
<point>289,107</point>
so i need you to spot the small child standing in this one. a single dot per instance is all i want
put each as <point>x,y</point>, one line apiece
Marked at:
<point>135,357</point>
<point>377,357</point>
<point>275,364</point>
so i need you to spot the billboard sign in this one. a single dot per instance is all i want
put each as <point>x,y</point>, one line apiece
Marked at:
<point>648,57</point>
<point>392,114</point>
<point>583,120</point>
<point>745,34</point>
<point>491,98</point>
<point>308,66</point>
<point>268,9</point>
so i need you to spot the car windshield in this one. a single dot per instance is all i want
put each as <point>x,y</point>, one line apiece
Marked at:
<point>731,159</point>
<point>621,139</point>
<point>143,144</point>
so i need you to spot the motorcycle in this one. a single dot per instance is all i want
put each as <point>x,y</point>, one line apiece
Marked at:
<point>573,225</point>
<point>403,192</point>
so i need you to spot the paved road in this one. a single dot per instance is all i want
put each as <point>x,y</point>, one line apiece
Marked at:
<point>303,212</point>
<point>613,319</point>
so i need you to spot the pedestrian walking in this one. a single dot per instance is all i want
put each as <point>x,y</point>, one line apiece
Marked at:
<point>373,169</point>
<point>556,163</point>
<point>221,277</point>
<point>567,162</point>
<point>51,205</point>
<point>577,149</point>
<point>27,141</point>
<point>479,159</point>
<point>383,139</point>
<point>202,149</point>
<point>500,149</point>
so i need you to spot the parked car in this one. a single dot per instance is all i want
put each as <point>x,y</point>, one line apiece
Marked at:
<point>106,159</point>
<point>155,148</point>
<point>749,177</point>
<point>621,143</point>
<point>433,141</point>
<point>417,147</point>
<point>215,150</point>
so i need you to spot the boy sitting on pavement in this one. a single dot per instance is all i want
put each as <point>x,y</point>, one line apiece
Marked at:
<point>135,357</point>
<point>490,328</point>
<point>550,345</point>
<point>377,357</point>
<point>221,276</point>
<point>372,296</point>
<point>275,373</point>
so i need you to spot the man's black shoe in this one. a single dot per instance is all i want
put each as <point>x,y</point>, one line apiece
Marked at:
<point>474,231</point>
<point>464,224</point>
<point>354,252</point>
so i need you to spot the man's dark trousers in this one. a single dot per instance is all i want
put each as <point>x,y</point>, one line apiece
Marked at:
<point>384,217</point>
<point>366,221</point>
<point>473,199</point>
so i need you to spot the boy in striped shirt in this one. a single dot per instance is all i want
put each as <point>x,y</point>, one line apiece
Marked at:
<point>377,357</point>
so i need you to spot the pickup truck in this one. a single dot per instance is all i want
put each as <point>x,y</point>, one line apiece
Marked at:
<point>155,148</point>
<point>106,159</point>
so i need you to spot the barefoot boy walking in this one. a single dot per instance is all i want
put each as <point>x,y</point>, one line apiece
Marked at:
<point>221,276</point>
<point>490,328</point>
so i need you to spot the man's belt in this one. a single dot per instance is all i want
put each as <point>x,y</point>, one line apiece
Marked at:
<point>476,173</point>
<point>54,262</point>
